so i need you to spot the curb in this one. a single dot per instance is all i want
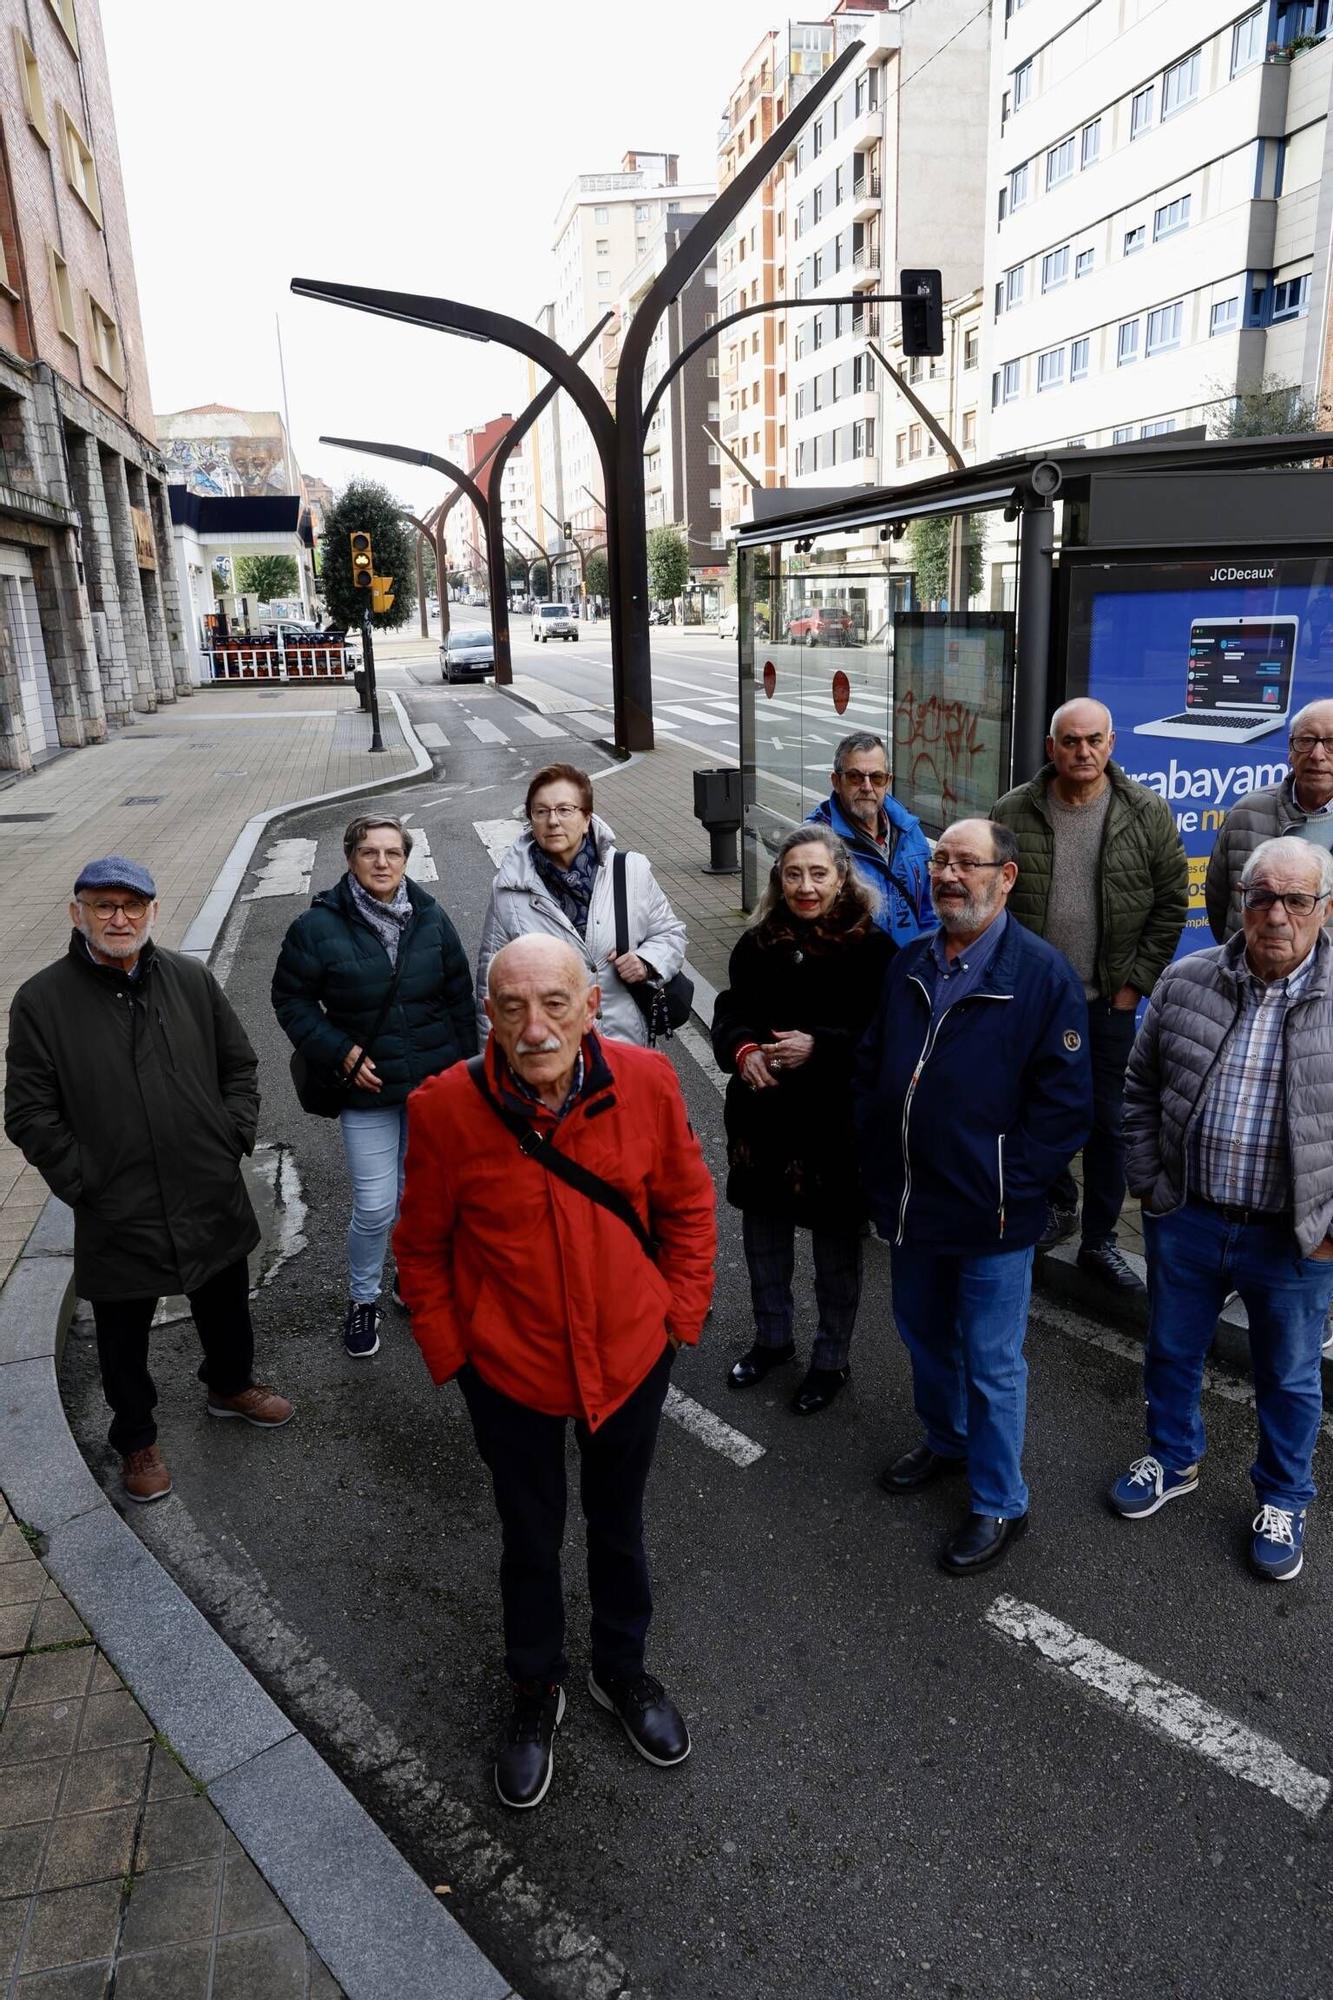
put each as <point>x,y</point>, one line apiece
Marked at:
<point>386,1936</point>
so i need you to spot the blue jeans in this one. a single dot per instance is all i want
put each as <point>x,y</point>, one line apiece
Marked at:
<point>1195,1258</point>
<point>375,1142</point>
<point>963,1321</point>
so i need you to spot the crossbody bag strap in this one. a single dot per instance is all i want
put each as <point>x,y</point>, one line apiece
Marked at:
<point>621,901</point>
<point>534,1147</point>
<point>383,1014</point>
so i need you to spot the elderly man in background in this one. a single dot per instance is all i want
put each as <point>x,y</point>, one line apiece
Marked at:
<point>1302,805</point>
<point>132,1089</point>
<point>890,853</point>
<point>1229,1114</point>
<point>1103,877</point>
<point>556,1247</point>
<point>971,1093</point>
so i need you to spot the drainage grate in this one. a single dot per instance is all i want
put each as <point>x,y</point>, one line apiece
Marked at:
<point>144,799</point>
<point>23,819</point>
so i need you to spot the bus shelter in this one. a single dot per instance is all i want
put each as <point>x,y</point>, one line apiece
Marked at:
<point>1186,582</point>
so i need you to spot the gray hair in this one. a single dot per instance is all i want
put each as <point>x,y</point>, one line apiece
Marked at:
<point>1073,702</point>
<point>1287,847</point>
<point>358,828</point>
<point>1302,715</point>
<point>860,739</point>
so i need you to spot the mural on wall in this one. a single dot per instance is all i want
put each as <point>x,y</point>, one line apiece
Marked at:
<point>224,453</point>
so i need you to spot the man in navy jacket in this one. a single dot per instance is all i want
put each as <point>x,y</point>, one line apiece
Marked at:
<point>889,852</point>
<point>973,1092</point>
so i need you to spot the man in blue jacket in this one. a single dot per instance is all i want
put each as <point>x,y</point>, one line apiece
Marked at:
<point>889,852</point>
<point>973,1092</point>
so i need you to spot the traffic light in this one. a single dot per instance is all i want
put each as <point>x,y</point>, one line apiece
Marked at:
<point>381,595</point>
<point>363,562</point>
<point>923,313</point>
<point>568,527</point>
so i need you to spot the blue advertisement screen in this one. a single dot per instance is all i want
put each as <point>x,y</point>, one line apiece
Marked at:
<point>1202,666</point>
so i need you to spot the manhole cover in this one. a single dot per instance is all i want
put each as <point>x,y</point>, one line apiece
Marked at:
<point>23,819</point>
<point>144,799</point>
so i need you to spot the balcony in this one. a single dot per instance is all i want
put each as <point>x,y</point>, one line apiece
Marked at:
<point>866,193</point>
<point>865,268</point>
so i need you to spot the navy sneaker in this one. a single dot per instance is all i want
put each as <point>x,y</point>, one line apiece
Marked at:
<point>1147,1486</point>
<point>361,1330</point>
<point>648,1716</point>
<point>1278,1548</point>
<point>524,1761</point>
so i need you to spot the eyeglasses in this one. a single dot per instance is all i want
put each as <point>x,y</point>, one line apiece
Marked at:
<point>132,907</point>
<point>966,866</point>
<point>1297,902</point>
<point>380,854</point>
<point>555,812</point>
<point>1307,745</point>
<point>879,779</point>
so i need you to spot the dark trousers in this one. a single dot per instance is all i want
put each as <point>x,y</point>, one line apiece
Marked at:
<point>524,1451</point>
<point>1110,1039</point>
<point>770,1254</point>
<point>221,1310</point>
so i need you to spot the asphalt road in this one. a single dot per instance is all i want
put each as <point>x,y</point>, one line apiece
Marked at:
<point>888,1795</point>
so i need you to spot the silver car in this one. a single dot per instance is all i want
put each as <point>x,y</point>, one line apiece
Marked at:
<point>553,621</point>
<point>468,655</point>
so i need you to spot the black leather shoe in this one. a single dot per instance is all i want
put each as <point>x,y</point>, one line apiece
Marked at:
<point>818,1389</point>
<point>650,1719</point>
<point>753,1367</point>
<point>1060,1223</point>
<point>1104,1262</point>
<point>917,1468</point>
<point>980,1541</point>
<point>524,1762</point>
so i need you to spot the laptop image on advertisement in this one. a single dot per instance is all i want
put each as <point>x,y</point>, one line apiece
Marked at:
<point>1237,684</point>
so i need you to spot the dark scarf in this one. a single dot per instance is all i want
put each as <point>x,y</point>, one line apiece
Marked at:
<point>387,920</point>
<point>572,886</point>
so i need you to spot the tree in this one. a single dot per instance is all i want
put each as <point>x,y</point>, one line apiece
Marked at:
<point>597,574</point>
<point>1275,409</point>
<point>668,562</point>
<point>221,574</point>
<point>267,577</point>
<point>928,541</point>
<point>541,580</point>
<point>517,567</point>
<point>366,506</point>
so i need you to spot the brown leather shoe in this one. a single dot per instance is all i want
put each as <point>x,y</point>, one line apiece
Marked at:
<point>144,1476</point>
<point>255,1405</point>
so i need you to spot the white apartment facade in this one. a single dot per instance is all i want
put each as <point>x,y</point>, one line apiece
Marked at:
<point>950,385</point>
<point>1155,239</point>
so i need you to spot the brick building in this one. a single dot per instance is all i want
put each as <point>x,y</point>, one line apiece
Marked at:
<point>90,622</point>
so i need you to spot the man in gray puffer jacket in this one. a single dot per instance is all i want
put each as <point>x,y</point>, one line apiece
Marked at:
<point>1229,1119</point>
<point>1302,805</point>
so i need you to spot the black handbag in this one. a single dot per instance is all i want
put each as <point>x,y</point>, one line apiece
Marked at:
<point>664,1003</point>
<point>325,1093</point>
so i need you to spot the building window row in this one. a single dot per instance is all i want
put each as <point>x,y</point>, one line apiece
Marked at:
<point>840,447</point>
<point>1157,332</point>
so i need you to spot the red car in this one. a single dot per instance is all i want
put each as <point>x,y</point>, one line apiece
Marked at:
<point>821,626</point>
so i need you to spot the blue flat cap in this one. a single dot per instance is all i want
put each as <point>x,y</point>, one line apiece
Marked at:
<point>113,871</point>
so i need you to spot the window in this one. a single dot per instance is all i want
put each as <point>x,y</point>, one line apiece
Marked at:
<point>1009,382</point>
<point>710,275</point>
<point>603,277</point>
<point>1123,434</point>
<point>1161,427</point>
<point>900,448</point>
<point>1092,143</point>
<point>62,297</point>
<point>1055,268</point>
<point>714,455</point>
<point>1167,220</point>
<point>64,13</point>
<point>1140,112</point>
<point>971,348</point>
<point>969,429</point>
<point>1248,40</point>
<point>80,167</point>
<point>1078,360</point>
<point>1060,163</point>
<point>1051,369</point>
<point>1083,263</point>
<point>1018,186</point>
<point>715,496</point>
<point>601,214</point>
<point>817,138</point>
<point>1013,286</point>
<point>1127,343</point>
<point>915,368</point>
<point>717,540</point>
<point>1135,238</point>
<point>817,205</point>
<point>642,211</point>
<point>1022,85</point>
<point>818,277</point>
<point>1164,328</point>
<point>1289,298</point>
<point>863,438</point>
<point>710,366</point>
<point>603,246</point>
<point>105,341</point>
<point>914,441</point>
<point>30,82</point>
<point>1180,85</point>
<point>1226,316</point>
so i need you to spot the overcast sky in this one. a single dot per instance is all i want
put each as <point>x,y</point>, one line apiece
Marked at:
<point>421,145</point>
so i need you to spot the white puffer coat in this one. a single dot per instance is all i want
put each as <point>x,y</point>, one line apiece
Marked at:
<point>521,903</point>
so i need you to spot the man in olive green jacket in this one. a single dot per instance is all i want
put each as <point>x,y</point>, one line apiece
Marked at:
<point>1102,876</point>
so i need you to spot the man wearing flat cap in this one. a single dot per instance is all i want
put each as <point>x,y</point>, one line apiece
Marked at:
<point>132,1089</point>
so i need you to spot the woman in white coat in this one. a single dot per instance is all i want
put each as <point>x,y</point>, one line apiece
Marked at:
<point>557,878</point>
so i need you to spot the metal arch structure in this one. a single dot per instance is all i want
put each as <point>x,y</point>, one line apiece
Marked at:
<point>618,437</point>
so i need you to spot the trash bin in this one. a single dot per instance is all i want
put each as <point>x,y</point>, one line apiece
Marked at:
<point>359,683</point>
<point>717,804</point>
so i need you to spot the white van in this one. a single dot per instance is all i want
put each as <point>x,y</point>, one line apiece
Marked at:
<point>553,621</point>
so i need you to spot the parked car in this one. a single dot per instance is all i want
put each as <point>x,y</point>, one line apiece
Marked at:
<point>467,655</point>
<point>553,621</point>
<point>821,625</point>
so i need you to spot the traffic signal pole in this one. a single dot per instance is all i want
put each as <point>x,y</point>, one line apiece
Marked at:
<point>372,692</point>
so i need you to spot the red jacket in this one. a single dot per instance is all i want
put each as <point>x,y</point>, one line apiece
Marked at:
<point>547,1294</point>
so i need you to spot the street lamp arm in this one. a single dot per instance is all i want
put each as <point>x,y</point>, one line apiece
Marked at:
<point>957,463</point>
<point>408,454</point>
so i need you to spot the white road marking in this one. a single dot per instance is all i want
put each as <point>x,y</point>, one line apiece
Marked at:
<point>699,1047</point>
<point>710,1430</point>
<point>590,718</point>
<point>432,735</point>
<point>486,732</point>
<point>776,741</point>
<point>541,725</point>
<point>497,836</point>
<point>696,714</point>
<point>1162,1706</point>
<point>544,697</point>
<point>286,870</point>
<point>419,864</point>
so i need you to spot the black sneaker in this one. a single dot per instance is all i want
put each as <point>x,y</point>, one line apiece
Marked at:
<point>361,1330</point>
<point>523,1763</point>
<point>652,1722</point>
<point>1104,1262</point>
<point>1060,1223</point>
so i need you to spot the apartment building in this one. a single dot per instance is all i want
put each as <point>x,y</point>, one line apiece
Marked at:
<point>951,387</point>
<point>1158,213</point>
<point>464,535</point>
<point>90,620</point>
<point>889,172</point>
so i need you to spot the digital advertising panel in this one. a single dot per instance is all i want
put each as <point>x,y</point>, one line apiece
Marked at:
<point>1202,665</point>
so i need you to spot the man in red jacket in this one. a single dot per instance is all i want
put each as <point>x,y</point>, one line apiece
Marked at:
<point>546,1304</point>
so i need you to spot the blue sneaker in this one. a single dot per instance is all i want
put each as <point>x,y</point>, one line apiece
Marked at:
<point>361,1330</point>
<point>1278,1548</point>
<point>1147,1486</point>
